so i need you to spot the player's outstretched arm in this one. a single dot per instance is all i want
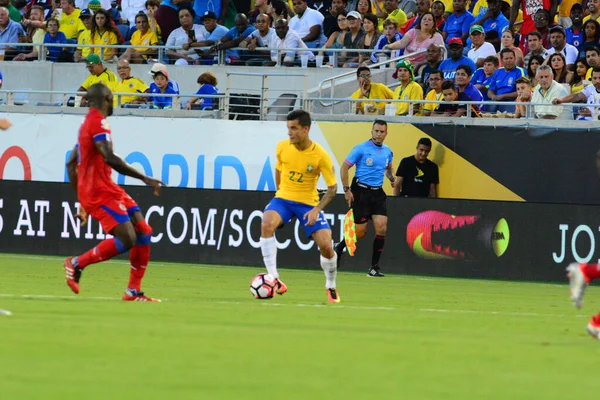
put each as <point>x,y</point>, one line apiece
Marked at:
<point>104,147</point>
<point>313,214</point>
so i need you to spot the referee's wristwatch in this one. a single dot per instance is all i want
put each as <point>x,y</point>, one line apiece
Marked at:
<point>346,188</point>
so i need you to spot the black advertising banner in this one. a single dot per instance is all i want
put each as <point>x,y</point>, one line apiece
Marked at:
<point>538,164</point>
<point>460,238</point>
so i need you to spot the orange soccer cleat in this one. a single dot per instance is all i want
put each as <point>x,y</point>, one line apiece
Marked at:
<point>281,288</point>
<point>333,296</point>
<point>73,274</point>
<point>132,295</point>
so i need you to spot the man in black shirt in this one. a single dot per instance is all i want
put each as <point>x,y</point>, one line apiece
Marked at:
<point>416,175</point>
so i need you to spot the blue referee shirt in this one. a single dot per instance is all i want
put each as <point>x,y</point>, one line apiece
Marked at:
<point>371,161</point>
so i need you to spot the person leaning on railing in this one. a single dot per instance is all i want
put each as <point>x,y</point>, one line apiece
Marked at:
<point>371,91</point>
<point>129,84</point>
<point>161,85</point>
<point>257,39</point>
<point>9,33</point>
<point>35,33</point>
<point>524,93</point>
<point>143,36</point>
<point>208,86</point>
<point>435,94</point>
<point>591,93</point>
<point>98,74</point>
<point>547,90</point>
<point>182,40</point>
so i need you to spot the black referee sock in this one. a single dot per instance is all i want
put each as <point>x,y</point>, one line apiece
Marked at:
<point>378,244</point>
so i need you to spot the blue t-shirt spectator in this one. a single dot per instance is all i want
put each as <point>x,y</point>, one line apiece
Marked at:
<point>504,81</point>
<point>383,40</point>
<point>574,39</point>
<point>234,33</point>
<point>456,26</point>
<point>448,66</point>
<point>11,33</point>
<point>162,102</point>
<point>208,102</point>
<point>497,24</point>
<point>54,51</point>
<point>479,78</point>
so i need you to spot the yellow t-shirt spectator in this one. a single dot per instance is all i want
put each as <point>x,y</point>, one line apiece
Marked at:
<point>71,25</point>
<point>85,37</point>
<point>106,38</point>
<point>564,9</point>
<point>397,14</point>
<point>149,39</point>
<point>412,91</point>
<point>130,85</point>
<point>378,91</point>
<point>449,6</point>
<point>433,96</point>
<point>587,18</point>
<point>107,77</point>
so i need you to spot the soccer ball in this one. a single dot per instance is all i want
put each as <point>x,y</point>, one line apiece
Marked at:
<point>263,286</point>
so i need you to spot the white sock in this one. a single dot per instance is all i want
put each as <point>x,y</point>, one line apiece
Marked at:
<point>268,247</point>
<point>329,266</point>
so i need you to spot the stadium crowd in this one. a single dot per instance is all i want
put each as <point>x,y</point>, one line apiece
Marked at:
<point>470,50</point>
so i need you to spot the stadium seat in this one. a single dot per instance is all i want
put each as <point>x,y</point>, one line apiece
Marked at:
<point>281,107</point>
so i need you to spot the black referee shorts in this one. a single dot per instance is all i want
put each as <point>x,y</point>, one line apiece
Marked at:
<point>367,202</point>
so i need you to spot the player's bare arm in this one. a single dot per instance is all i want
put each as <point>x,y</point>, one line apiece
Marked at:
<point>389,173</point>
<point>277,178</point>
<point>344,176</point>
<point>398,185</point>
<point>313,214</point>
<point>104,147</point>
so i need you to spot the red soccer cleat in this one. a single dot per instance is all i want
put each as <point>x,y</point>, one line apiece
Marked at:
<point>333,296</point>
<point>139,296</point>
<point>593,327</point>
<point>281,288</point>
<point>73,274</point>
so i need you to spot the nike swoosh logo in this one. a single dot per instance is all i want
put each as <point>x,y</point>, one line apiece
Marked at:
<point>421,252</point>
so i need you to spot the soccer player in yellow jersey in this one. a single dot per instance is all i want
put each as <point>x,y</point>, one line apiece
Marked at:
<point>300,162</point>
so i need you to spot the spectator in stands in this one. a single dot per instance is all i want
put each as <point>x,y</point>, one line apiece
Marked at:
<point>530,14</point>
<point>233,38</point>
<point>542,21</point>
<point>449,65</point>
<point>439,12</point>
<point>9,33</point>
<point>482,78</point>
<point>408,6</point>
<point>129,11</point>
<point>85,37</point>
<point>363,7</point>
<point>390,11</point>
<point>433,57</point>
<point>435,94</point>
<point>408,89</point>
<point>260,7</point>
<point>13,12</point>
<point>594,9</point>
<point>307,23</point>
<point>559,68</point>
<point>503,85</point>
<point>524,93</point>
<point>575,28</point>
<point>336,39</point>
<point>219,7</point>
<point>493,23</point>
<point>371,91</point>
<point>151,9</point>
<point>98,74</point>
<point>129,84</point>
<point>182,40</point>
<point>579,80</point>
<point>279,9</point>
<point>103,33</point>
<point>115,14</point>
<point>285,38</point>
<point>53,36</point>
<point>143,36</point>
<point>545,93</point>
<point>508,42</point>
<point>349,59</point>
<point>591,94</point>
<point>214,32</point>
<point>534,64</point>
<point>451,93</point>
<point>591,33</point>
<point>458,23</point>
<point>480,49</point>
<point>259,38</point>
<point>208,86</point>
<point>418,39</point>
<point>168,13</point>
<point>592,58</point>
<point>422,6</point>
<point>558,39</point>
<point>161,85</point>
<point>464,84</point>
<point>369,39</point>
<point>70,24</point>
<point>535,47</point>
<point>35,34</point>
<point>390,35</point>
<point>330,22</point>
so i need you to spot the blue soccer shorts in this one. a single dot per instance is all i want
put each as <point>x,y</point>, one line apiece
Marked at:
<point>288,209</point>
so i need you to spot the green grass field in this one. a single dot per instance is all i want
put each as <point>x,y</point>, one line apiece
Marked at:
<point>398,337</point>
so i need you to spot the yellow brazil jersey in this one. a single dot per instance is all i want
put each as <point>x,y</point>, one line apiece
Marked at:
<point>564,9</point>
<point>412,91</point>
<point>586,19</point>
<point>85,37</point>
<point>105,38</point>
<point>433,96</point>
<point>71,25</point>
<point>130,85</point>
<point>107,77</point>
<point>300,171</point>
<point>588,74</point>
<point>378,91</point>
<point>149,39</point>
<point>397,14</point>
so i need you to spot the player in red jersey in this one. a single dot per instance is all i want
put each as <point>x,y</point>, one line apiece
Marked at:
<point>89,167</point>
<point>580,275</point>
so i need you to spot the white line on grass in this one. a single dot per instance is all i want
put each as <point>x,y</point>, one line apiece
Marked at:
<point>55,297</point>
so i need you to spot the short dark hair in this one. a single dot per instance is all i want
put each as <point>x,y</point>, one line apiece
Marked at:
<point>507,50</point>
<point>436,72</point>
<point>492,59</point>
<point>379,122</point>
<point>372,18</point>
<point>536,34</point>
<point>448,84</point>
<point>425,141</point>
<point>593,48</point>
<point>595,69</point>
<point>303,117</point>
<point>361,69</point>
<point>189,9</point>
<point>439,2</point>
<point>465,68</point>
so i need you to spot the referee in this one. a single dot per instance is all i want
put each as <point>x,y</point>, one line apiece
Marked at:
<point>373,160</point>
